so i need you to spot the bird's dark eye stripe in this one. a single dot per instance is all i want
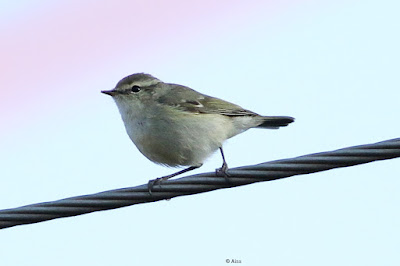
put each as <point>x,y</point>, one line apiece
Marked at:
<point>135,88</point>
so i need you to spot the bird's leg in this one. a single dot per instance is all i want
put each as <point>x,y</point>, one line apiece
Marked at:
<point>223,170</point>
<point>153,182</point>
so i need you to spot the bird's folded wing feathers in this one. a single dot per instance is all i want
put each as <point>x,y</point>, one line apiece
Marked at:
<point>195,102</point>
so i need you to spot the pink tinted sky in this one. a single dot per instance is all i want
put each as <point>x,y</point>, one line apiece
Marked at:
<point>74,40</point>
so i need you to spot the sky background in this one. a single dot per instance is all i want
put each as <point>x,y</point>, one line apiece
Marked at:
<point>333,65</point>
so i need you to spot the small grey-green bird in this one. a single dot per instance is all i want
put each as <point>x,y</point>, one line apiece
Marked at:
<point>174,125</point>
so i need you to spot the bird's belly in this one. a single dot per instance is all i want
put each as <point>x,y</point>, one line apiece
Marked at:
<point>187,142</point>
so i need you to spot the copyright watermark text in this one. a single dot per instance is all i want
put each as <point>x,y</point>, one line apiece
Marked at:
<point>233,261</point>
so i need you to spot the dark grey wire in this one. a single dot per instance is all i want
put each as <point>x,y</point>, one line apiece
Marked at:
<point>200,183</point>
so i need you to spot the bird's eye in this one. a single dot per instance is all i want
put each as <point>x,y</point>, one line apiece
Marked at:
<point>135,88</point>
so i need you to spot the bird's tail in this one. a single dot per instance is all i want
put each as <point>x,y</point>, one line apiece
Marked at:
<point>273,122</point>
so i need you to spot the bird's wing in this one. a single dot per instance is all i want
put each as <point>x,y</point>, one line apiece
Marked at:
<point>192,101</point>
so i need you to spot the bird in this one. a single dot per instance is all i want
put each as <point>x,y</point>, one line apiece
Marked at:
<point>176,126</point>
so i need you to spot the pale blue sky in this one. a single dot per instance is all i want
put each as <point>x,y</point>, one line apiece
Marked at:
<point>331,65</point>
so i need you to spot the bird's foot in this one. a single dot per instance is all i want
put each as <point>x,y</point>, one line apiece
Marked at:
<point>223,171</point>
<point>154,182</point>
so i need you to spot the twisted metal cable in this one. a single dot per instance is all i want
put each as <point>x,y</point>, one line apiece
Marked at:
<point>200,183</point>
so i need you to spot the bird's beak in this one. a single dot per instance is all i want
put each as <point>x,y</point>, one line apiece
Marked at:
<point>110,92</point>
